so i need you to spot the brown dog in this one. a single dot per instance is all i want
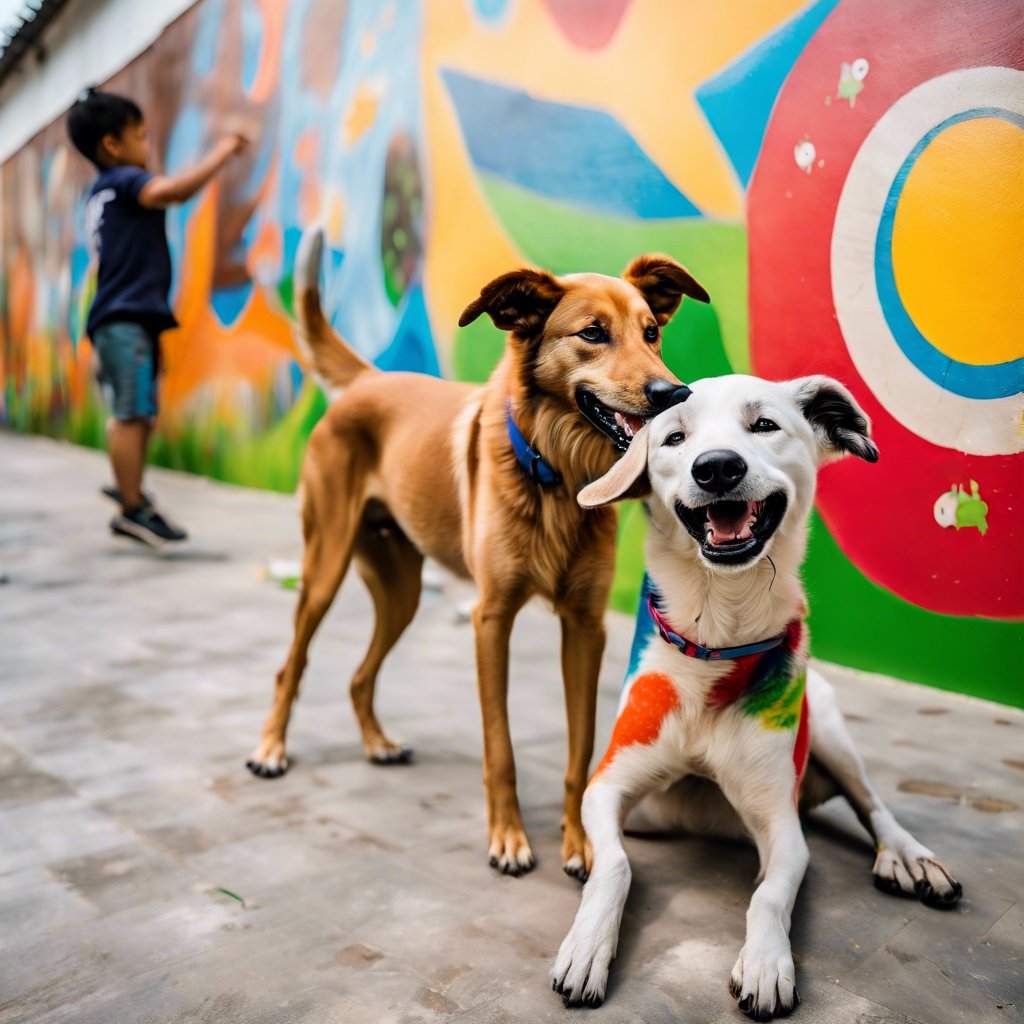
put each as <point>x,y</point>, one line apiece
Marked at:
<point>405,466</point>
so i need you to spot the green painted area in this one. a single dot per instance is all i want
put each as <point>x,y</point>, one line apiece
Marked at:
<point>477,349</point>
<point>567,240</point>
<point>269,459</point>
<point>857,622</point>
<point>629,557</point>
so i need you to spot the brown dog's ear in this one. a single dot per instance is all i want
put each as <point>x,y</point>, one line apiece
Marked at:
<point>839,423</point>
<point>520,301</point>
<point>663,282</point>
<point>626,479</point>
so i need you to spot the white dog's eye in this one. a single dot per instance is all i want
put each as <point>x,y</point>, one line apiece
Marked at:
<point>763,425</point>
<point>676,437</point>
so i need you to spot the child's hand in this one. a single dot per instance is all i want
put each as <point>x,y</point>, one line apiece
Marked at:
<point>235,142</point>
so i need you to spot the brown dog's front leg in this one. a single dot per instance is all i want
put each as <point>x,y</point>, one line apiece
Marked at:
<point>508,849</point>
<point>583,639</point>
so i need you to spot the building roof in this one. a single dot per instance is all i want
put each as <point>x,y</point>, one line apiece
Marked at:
<point>22,22</point>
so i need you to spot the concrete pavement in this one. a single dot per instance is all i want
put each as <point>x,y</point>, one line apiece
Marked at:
<point>133,685</point>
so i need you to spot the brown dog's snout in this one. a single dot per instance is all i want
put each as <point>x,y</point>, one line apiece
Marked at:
<point>663,394</point>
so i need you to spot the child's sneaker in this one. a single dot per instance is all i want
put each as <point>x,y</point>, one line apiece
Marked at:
<point>114,495</point>
<point>146,525</point>
<point>148,502</point>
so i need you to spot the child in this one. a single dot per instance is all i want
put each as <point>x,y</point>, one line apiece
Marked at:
<point>125,224</point>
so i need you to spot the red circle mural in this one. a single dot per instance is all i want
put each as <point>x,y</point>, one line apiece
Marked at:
<point>936,520</point>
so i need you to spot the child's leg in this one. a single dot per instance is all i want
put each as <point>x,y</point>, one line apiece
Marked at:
<point>128,361</point>
<point>128,441</point>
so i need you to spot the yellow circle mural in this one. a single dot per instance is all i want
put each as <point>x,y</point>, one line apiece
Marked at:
<point>958,241</point>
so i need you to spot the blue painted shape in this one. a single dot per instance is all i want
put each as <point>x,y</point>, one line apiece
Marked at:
<point>252,42</point>
<point>995,380</point>
<point>738,100</point>
<point>80,261</point>
<point>228,303</point>
<point>491,11</point>
<point>572,154</point>
<point>204,49</point>
<point>412,347</point>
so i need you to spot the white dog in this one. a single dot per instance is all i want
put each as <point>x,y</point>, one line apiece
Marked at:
<point>716,723</point>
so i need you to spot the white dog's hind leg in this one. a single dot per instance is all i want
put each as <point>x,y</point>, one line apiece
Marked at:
<point>764,976</point>
<point>903,865</point>
<point>580,974</point>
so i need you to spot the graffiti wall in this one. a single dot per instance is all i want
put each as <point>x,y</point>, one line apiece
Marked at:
<point>849,194</point>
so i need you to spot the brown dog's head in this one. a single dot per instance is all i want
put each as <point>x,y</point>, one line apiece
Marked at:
<point>594,341</point>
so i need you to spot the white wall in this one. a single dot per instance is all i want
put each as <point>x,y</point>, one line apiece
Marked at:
<point>88,41</point>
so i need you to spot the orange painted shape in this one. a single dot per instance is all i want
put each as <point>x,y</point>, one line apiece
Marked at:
<point>269,69</point>
<point>652,698</point>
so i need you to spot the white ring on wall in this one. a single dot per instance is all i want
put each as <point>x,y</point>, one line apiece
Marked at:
<point>978,426</point>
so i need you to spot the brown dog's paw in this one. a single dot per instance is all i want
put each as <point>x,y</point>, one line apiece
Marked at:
<point>387,752</point>
<point>577,855</point>
<point>269,760</point>
<point>510,851</point>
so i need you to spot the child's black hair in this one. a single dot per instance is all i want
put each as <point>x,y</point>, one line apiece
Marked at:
<point>96,114</point>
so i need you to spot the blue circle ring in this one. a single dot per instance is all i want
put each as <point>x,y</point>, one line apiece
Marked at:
<point>996,380</point>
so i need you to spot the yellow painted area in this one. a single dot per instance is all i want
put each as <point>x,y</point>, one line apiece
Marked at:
<point>361,114</point>
<point>645,77</point>
<point>958,241</point>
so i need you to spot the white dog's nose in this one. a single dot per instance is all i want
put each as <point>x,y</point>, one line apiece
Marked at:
<point>719,471</point>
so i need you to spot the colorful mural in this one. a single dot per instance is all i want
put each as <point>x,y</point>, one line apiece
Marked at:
<point>846,193</point>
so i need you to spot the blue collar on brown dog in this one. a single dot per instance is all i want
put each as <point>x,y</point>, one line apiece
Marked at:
<point>529,458</point>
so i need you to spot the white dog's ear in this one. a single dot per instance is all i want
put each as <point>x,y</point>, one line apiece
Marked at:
<point>626,479</point>
<point>840,424</point>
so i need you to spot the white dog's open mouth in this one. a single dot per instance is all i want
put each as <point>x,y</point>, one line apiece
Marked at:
<point>733,532</point>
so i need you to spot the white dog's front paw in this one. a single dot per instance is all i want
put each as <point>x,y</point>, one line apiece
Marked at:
<point>912,870</point>
<point>580,974</point>
<point>764,981</point>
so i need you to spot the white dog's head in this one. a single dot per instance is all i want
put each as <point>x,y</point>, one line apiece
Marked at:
<point>736,464</point>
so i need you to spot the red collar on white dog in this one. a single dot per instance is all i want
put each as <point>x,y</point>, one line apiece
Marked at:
<point>695,650</point>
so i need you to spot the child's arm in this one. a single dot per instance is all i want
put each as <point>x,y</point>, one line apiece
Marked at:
<point>164,190</point>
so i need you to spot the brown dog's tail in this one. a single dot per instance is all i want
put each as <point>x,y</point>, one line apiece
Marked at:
<point>333,362</point>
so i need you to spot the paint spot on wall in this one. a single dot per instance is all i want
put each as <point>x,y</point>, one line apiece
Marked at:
<point>362,113</point>
<point>804,154</point>
<point>960,509</point>
<point>851,79</point>
<point>588,25</point>
<point>401,240</point>
<point>491,11</point>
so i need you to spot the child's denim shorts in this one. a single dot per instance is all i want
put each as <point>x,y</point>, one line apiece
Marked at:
<point>129,359</point>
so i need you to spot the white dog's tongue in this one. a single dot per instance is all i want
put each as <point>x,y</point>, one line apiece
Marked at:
<point>730,520</point>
